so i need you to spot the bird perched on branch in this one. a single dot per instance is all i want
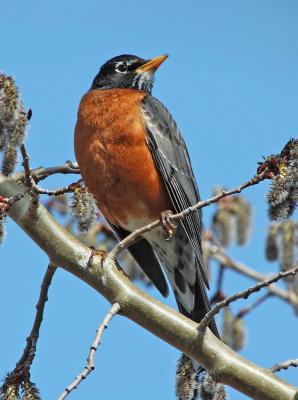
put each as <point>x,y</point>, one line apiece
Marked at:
<point>135,162</point>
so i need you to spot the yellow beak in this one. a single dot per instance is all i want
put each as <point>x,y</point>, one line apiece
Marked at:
<point>152,65</point>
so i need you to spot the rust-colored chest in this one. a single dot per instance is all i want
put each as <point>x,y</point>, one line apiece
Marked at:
<point>114,159</point>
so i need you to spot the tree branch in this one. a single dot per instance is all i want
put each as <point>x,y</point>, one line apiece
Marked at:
<point>107,278</point>
<point>31,182</point>
<point>285,365</point>
<point>26,164</point>
<point>243,295</point>
<point>41,173</point>
<point>22,368</point>
<point>245,310</point>
<point>90,359</point>
<point>134,236</point>
<point>6,202</point>
<point>56,192</point>
<point>222,257</point>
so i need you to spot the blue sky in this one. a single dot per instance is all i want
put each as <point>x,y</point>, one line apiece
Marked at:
<point>231,83</point>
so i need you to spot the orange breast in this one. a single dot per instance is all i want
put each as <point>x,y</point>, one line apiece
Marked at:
<point>114,159</point>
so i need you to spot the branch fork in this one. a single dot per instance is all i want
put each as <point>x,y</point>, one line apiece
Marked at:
<point>65,250</point>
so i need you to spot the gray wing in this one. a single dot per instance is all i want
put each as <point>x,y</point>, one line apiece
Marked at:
<point>172,159</point>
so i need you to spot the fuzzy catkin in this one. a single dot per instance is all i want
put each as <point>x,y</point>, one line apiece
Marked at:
<point>283,192</point>
<point>186,379</point>
<point>13,121</point>
<point>83,208</point>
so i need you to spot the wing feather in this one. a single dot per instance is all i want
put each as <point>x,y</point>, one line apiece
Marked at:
<point>172,159</point>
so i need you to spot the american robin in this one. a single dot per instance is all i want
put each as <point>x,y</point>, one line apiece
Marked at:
<point>135,162</point>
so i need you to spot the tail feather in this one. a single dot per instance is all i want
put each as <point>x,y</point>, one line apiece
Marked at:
<point>200,307</point>
<point>183,270</point>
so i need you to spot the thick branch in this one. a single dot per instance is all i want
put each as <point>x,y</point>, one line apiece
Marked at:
<point>6,202</point>
<point>90,359</point>
<point>104,276</point>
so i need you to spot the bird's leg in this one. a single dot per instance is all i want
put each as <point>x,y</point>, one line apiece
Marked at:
<point>95,252</point>
<point>168,226</point>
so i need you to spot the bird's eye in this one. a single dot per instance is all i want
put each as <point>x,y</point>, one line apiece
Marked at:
<point>121,67</point>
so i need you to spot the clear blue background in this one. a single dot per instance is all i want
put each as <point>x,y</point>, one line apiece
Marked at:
<point>231,83</point>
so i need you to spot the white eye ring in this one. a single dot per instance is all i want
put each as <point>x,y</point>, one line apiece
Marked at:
<point>121,67</point>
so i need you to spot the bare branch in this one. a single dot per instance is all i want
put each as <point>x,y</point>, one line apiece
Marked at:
<point>67,189</point>
<point>36,175</point>
<point>217,253</point>
<point>31,182</point>
<point>22,368</point>
<point>245,310</point>
<point>90,359</point>
<point>26,164</point>
<point>134,236</point>
<point>103,274</point>
<point>243,295</point>
<point>285,365</point>
<point>42,173</point>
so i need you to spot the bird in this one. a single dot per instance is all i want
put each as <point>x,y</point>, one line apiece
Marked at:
<point>135,162</point>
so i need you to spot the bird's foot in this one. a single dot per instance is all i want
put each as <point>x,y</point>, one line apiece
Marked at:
<point>94,252</point>
<point>168,226</point>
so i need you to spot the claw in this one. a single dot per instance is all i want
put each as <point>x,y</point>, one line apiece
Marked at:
<point>168,226</point>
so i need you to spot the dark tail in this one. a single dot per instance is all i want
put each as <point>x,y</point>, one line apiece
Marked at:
<point>189,373</point>
<point>201,305</point>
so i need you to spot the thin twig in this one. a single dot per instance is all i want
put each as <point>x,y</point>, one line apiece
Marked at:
<point>245,310</point>
<point>32,182</point>
<point>217,253</point>
<point>56,192</point>
<point>22,368</point>
<point>94,346</point>
<point>26,164</point>
<point>7,202</point>
<point>33,176</point>
<point>42,173</point>
<point>253,181</point>
<point>219,294</point>
<point>243,295</point>
<point>134,236</point>
<point>285,365</point>
<point>220,277</point>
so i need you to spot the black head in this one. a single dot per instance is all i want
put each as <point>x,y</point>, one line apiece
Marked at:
<point>127,71</point>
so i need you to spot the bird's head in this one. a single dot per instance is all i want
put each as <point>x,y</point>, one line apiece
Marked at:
<point>127,71</point>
